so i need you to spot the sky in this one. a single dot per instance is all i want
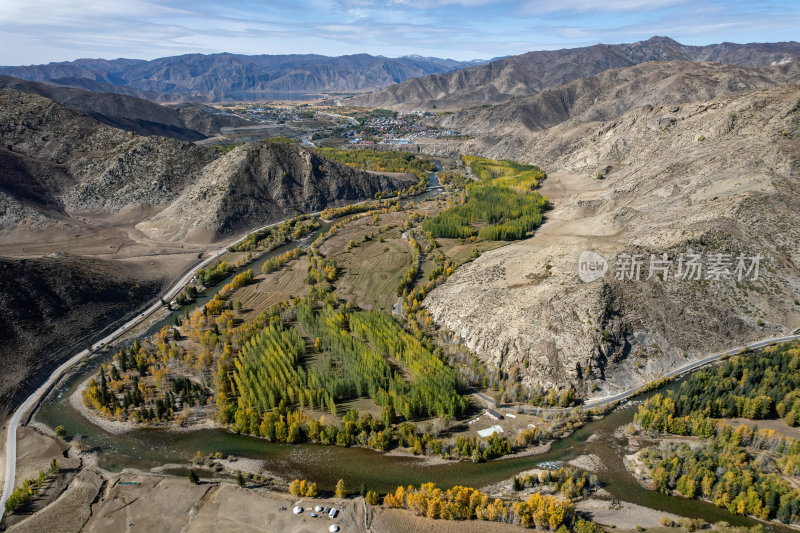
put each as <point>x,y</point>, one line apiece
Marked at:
<point>41,31</point>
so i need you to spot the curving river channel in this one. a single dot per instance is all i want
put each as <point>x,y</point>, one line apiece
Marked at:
<point>149,448</point>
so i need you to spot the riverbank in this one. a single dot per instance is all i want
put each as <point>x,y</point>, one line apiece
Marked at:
<point>119,427</point>
<point>640,441</point>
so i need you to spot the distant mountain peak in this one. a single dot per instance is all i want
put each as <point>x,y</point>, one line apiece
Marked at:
<point>661,39</point>
<point>228,76</point>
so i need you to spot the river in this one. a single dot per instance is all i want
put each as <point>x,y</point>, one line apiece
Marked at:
<point>148,448</point>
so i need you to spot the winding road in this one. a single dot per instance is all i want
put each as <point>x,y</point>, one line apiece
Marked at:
<point>690,367</point>
<point>33,400</point>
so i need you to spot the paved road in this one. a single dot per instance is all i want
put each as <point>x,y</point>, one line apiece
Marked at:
<point>689,367</point>
<point>38,394</point>
<point>630,392</point>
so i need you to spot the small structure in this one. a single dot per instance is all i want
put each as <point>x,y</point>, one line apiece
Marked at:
<point>333,513</point>
<point>334,528</point>
<point>318,508</point>
<point>494,414</point>
<point>297,509</point>
<point>488,431</point>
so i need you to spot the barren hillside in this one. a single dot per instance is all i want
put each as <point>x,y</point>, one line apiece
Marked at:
<point>187,122</point>
<point>51,308</point>
<point>69,169</point>
<point>534,72</point>
<point>712,177</point>
<point>260,183</point>
<point>609,95</point>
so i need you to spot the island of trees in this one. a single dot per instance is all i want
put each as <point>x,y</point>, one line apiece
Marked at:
<point>745,470</point>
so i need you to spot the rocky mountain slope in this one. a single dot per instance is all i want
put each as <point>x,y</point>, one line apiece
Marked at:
<point>716,176</point>
<point>51,306</point>
<point>187,122</point>
<point>607,96</point>
<point>198,77</point>
<point>534,72</point>
<point>260,183</point>
<point>67,166</point>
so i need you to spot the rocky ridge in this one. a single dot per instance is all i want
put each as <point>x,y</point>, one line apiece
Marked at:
<point>186,122</point>
<point>534,72</point>
<point>709,177</point>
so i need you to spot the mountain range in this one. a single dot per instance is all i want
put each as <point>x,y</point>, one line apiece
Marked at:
<point>534,72</point>
<point>186,122</point>
<point>206,78</point>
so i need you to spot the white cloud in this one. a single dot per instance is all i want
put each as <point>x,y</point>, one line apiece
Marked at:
<point>39,31</point>
<point>60,12</point>
<point>540,7</point>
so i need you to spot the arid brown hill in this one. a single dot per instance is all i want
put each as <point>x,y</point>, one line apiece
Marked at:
<point>534,72</point>
<point>607,96</point>
<point>661,174</point>
<point>52,306</point>
<point>188,122</point>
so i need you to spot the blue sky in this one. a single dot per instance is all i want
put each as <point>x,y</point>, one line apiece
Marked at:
<point>40,31</point>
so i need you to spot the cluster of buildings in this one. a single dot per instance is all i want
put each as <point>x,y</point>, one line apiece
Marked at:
<point>262,113</point>
<point>377,127</point>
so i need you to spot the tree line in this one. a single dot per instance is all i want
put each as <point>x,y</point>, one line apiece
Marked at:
<point>749,385</point>
<point>30,487</point>
<point>381,161</point>
<point>504,200</point>
<point>274,236</point>
<point>464,503</point>
<point>569,481</point>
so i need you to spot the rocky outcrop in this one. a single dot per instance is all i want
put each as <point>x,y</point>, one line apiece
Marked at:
<point>260,183</point>
<point>718,176</point>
